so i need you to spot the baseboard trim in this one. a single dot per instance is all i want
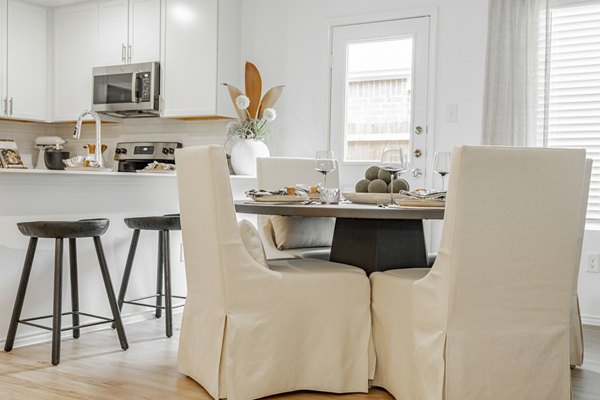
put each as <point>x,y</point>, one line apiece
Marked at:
<point>45,336</point>
<point>590,320</point>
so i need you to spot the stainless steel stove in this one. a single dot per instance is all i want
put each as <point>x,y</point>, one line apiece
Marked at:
<point>137,155</point>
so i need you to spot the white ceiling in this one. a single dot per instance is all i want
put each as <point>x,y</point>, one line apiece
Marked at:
<point>55,3</point>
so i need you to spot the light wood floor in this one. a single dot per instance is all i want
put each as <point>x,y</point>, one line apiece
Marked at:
<point>94,367</point>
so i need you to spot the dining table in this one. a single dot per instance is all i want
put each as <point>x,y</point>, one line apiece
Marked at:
<point>368,236</point>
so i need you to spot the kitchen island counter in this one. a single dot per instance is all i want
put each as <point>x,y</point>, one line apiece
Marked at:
<point>37,195</point>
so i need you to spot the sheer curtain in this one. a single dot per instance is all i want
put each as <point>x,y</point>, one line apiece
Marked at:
<point>515,69</point>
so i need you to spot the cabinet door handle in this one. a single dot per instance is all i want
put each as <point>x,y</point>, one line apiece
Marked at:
<point>11,106</point>
<point>129,54</point>
<point>123,51</point>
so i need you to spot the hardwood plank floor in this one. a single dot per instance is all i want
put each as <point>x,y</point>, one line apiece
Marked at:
<point>94,367</point>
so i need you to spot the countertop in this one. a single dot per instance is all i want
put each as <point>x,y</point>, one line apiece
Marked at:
<point>46,173</point>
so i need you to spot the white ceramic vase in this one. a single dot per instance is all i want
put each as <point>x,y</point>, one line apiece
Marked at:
<point>244,154</point>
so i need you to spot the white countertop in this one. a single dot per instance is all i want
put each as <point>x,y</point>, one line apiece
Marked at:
<point>5,171</point>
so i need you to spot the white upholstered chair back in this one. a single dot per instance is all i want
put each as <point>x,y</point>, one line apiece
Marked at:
<point>510,243</point>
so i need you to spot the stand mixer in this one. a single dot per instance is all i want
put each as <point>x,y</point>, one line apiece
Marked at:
<point>44,143</point>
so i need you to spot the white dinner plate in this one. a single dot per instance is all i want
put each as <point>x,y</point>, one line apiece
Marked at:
<point>369,198</point>
<point>276,198</point>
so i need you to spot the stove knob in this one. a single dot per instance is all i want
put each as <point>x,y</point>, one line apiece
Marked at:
<point>171,151</point>
<point>123,150</point>
<point>165,150</point>
<point>118,150</point>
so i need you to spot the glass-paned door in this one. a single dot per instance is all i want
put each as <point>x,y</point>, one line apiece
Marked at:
<point>379,95</point>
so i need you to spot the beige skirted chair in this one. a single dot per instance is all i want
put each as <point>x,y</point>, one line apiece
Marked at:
<point>490,319</point>
<point>576,330</point>
<point>294,237</point>
<point>249,329</point>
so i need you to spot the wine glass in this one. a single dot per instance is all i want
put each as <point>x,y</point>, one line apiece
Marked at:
<point>441,165</point>
<point>324,163</point>
<point>393,161</point>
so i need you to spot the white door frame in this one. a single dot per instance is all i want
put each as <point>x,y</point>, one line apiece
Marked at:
<point>396,14</point>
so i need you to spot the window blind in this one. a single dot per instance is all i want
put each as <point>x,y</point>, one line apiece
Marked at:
<point>572,119</point>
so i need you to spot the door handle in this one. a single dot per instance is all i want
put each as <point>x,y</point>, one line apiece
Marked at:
<point>10,106</point>
<point>5,106</point>
<point>129,51</point>
<point>417,153</point>
<point>134,98</point>
<point>418,130</point>
<point>123,52</point>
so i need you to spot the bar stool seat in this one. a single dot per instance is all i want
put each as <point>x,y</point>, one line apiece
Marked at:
<point>163,225</point>
<point>59,230</point>
<point>64,229</point>
<point>166,222</point>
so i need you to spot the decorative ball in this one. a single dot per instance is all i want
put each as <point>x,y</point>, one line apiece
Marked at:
<point>362,186</point>
<point>377,186</point>
<point>371,173</point>
<point>399,184</point>
<point>384,176</point>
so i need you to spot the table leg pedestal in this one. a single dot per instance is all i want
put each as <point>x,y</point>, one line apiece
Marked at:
<point>379,245</point>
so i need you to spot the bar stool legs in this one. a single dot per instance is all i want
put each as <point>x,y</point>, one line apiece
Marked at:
<point>16,315</point>
<point>127,273</point>
<point>167,270</point>
<point>110,293</point>
<point>159,275</point>
<point>57,307</point>
<point>74,286</point>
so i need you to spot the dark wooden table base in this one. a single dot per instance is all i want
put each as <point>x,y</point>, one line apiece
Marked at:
<point>379,244</point>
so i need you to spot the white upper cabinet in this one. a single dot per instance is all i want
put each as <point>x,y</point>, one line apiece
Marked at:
<point>75,52</point>
<point>128,31</point>
<point>201,50</point>
<point>144,30</point>
<point>24,62</point>
<point>112,32</point>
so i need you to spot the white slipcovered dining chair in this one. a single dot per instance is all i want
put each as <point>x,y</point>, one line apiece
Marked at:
<point>576,330</point>
<point>490,319</point>
<point>249,329</point>
<point>290,237</point>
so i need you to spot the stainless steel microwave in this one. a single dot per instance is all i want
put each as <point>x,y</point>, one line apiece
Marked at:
<point>127,91</point>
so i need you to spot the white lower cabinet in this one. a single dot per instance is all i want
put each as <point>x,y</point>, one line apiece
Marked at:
<point>75,53</point>
<point>23,61</point>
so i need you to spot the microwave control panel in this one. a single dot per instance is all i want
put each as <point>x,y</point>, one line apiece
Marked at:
<point>146,86</point>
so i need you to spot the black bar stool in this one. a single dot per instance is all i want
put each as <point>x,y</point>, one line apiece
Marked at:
<point>163,224</point>
<point>60,230</point>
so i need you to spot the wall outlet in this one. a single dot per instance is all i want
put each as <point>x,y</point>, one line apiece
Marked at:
<point>593,264</point>
<point>181,257</point>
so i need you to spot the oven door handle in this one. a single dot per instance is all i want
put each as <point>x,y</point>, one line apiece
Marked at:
<point>134,98</point>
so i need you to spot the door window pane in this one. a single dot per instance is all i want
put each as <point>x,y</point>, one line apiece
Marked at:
<point>378,97</point>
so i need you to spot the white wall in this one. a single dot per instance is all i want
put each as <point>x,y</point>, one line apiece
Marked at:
<point>287,40</point>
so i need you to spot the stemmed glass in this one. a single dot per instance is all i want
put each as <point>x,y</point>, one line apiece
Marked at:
<point>324,163</point>
<point>393,161</point>
<point>441,165</point>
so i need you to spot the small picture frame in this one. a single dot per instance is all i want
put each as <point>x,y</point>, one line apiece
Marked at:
<point>9,155</point>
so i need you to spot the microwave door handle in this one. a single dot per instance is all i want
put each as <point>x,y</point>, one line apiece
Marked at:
<point>134,98</point>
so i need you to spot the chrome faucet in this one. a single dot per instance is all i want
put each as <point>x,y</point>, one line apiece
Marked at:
<point>77,133</point>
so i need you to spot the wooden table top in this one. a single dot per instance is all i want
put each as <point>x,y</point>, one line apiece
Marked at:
<point>342,210</point>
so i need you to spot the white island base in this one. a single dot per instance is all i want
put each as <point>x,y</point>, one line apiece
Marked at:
<point>33,195</point>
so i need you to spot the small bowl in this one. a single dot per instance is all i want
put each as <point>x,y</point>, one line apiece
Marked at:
<point>80,161</point>
<point>54,159</point>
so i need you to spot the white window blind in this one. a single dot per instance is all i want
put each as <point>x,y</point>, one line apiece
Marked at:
<point>572,89</point>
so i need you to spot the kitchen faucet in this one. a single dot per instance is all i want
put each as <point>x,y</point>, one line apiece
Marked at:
<point>77,133</point>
